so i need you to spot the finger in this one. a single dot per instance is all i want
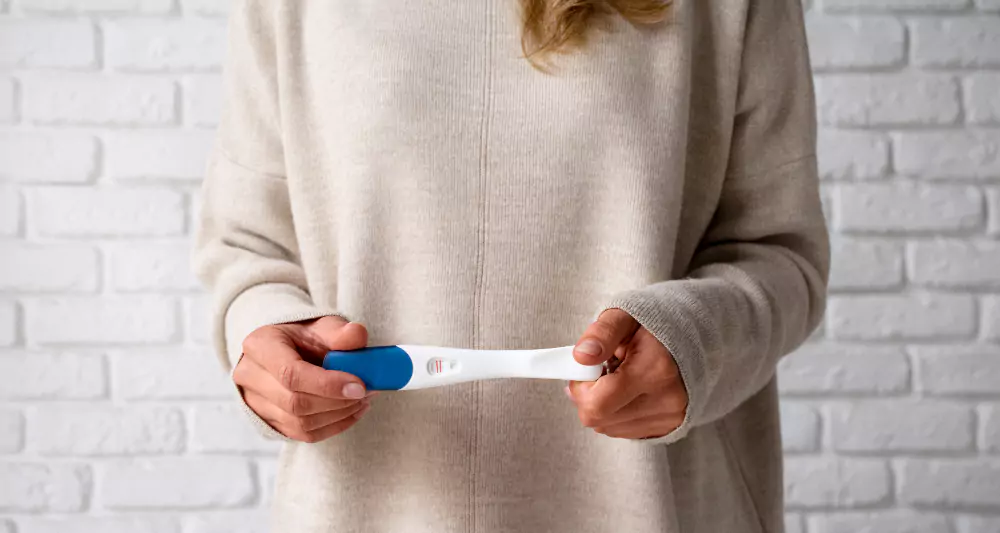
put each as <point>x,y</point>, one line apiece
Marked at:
<point>600,340</point>
<point>320,420</point>
<point>598,402</point>
<point>643,428</point>
<point>274,350</point>
<point>251,376</point>
<point>295,427</point>
<point>266,410</point>
<point>649,405</point>
<point>334,429</point>
<point>649,361</point>
<point>330,333</point>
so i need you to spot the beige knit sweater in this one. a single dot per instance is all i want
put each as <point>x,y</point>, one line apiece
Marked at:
<point>398,163</point>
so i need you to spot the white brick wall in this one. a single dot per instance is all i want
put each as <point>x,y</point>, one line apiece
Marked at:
<point>116,418</point>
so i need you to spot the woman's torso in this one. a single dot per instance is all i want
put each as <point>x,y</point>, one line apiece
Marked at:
<point>477,202</point>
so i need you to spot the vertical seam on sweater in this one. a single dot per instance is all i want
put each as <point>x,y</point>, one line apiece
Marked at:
<point>481,252</point>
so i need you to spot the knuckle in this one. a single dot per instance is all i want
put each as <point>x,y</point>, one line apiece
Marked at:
<point>252,341</point>
<point>680,404</point>
<point>298,404</point>
<point>674,403</point>
<point>589,418</point>
<point>287,376</point>
<point>298,424</point>
<point>239,374</point>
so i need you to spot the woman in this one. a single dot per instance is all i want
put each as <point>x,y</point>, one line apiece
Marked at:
<point>639,180</point>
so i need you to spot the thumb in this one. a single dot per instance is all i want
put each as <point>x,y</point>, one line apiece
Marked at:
<point>331,333</point>
<point>599,342</point>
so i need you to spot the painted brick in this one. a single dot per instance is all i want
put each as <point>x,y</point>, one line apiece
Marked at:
<point>982,98</point>
<point>955,263</point>
<point>8,94</point>
<point>852,154</point>
<point>202,99</point>
<point>820,369</point>
<point>8,323</point>
<point>54,43</point>
<point>151,267</point>
<point>225,428</point>
<point>98,6</point>
<point>959,370</point>
<point>168,154</point>
<point>194,213</point>
<point>993,199</point>
<point>989,428</point>
<point>949,483</point>
<point>865,264</point>
<point>902,521</point>
<point>966,154</point>
<point>894,5</point>
<point>101,320</point>
<point>98,100</point>
<point>800,427</point>
<point>101,524</point>
<point>957,42</point>
<point>33,375</point>
<point>901,426</point>
<point>794,523</point>
<point>814,482</point>
<point>199,320</point>
<point>267,473</point>
<point>852,42</point>
<point>158,45</point>
<point>906,207</point>
<point>991,318</point>
<point>105,211</point>
<point>250,521</point>
<point>11,431</point>
<point>37,268</point>
<point>902,317</point>
<point>206,7</point>
<point>189,482</point>
<point>170,374</point>
<point>10,210</point>
<point>42,157</point>
<point>887,99</point>
<point>33,487</point>
<point>828,198</point>
<point>94,431</point>
<point>978,524</point>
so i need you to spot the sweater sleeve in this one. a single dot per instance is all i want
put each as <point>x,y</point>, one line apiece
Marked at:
<point>245,249</point>
<point>756,286</point>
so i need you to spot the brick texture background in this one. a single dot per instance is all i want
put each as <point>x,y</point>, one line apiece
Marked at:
<point>114,417</point>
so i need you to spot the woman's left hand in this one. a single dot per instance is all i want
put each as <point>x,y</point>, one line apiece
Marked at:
<point>644,396</point>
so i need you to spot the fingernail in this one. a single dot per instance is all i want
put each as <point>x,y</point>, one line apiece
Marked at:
<point>590,347</point>
<point>568,392</point>
<point>354,391</point>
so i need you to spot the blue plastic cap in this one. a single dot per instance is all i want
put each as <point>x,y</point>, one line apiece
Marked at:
<point>379,367</point>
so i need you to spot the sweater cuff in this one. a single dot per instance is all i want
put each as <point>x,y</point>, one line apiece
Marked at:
<point>671,321</point>
<point>258,306</point>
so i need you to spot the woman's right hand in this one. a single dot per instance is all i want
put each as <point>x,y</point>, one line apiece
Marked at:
<point>299,398</point>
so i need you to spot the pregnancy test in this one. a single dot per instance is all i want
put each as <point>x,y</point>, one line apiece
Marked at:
<point>408,367</point>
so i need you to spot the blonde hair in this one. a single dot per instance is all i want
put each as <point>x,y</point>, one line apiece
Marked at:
<point>558,26</point>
